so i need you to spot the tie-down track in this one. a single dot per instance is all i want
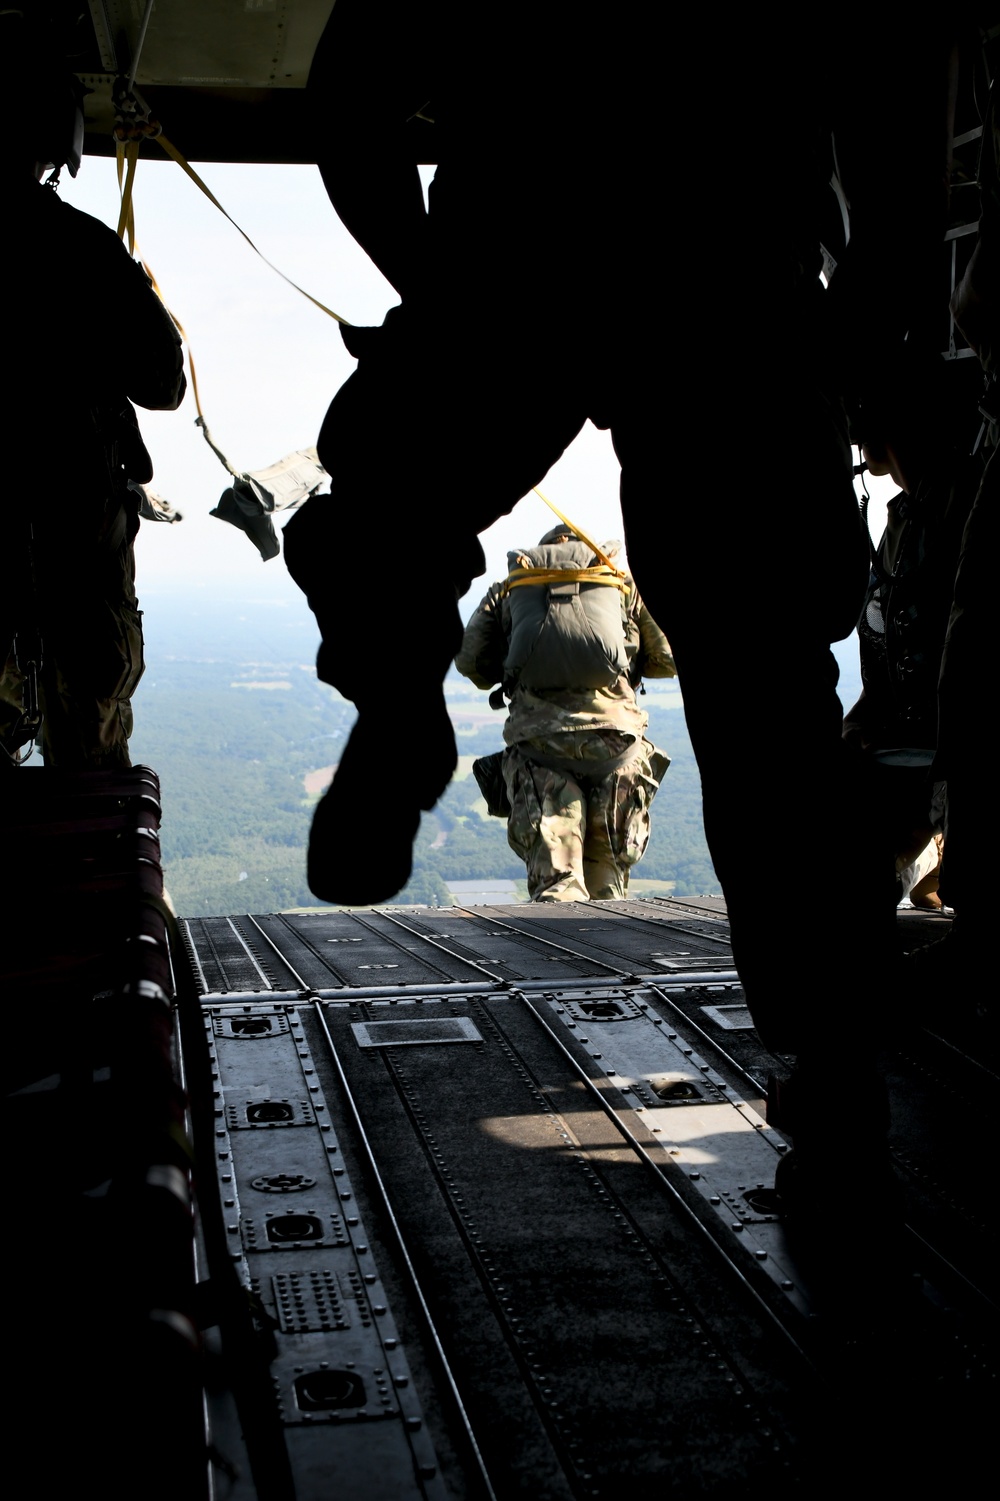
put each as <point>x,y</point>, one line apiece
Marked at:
<point>498,1185</point>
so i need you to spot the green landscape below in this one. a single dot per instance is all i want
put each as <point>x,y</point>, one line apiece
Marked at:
<point>244,737</point>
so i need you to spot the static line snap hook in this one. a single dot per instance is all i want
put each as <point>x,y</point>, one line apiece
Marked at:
<point>133,120</point>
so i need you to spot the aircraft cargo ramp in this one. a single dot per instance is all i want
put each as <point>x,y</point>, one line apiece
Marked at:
<point>483,1210</point>
<point>513,1161</point>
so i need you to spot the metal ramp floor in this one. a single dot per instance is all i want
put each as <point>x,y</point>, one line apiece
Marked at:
<point>496,1181</point>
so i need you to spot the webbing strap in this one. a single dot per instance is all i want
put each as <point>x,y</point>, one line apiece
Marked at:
<point>597,575</point>
<point>200,422</point>
<point>194,374</point>
<point>126,217</point>
<point>578,533</point>
<point>177,156</point>
<point>126,224</point>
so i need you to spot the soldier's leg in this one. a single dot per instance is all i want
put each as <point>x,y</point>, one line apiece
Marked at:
<point>385,557</point>
<point>750,608</point>
<point>618,823</point>
<point>750,598</point>
<point>605,875</point>
<point>93,661</point>
<point>546,828</point>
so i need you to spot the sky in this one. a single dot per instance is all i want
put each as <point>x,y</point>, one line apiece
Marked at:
<point>269,362</point>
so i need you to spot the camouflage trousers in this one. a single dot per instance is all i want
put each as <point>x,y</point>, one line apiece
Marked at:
<point>92,660</point>
<point>578,822</point>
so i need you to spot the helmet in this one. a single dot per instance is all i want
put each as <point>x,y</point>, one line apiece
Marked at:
<point>45,99</point>
<point>59,122</point>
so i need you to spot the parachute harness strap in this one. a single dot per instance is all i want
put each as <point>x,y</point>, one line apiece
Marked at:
<point>603,573</point>
<point>597,575</point>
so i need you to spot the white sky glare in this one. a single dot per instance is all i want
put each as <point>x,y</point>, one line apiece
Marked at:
<point>269,362</point>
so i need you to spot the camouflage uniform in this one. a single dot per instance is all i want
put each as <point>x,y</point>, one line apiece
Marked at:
<point>92,652</point>
<point>580,831</point>
<point>579,772</point>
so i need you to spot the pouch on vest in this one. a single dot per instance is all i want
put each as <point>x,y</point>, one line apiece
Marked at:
<point>488,772</point>
<point>564,636</point>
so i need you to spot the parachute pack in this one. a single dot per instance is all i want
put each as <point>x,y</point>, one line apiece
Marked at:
<point>568,618</point>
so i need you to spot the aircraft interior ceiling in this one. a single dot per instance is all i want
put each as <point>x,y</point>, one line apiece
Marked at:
<point>224,77</point>
<point>230,43</point>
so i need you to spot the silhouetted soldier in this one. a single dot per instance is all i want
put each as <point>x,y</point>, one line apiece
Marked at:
<point>629,230</point>
<point>579,772</point>
<point>91,336</point>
